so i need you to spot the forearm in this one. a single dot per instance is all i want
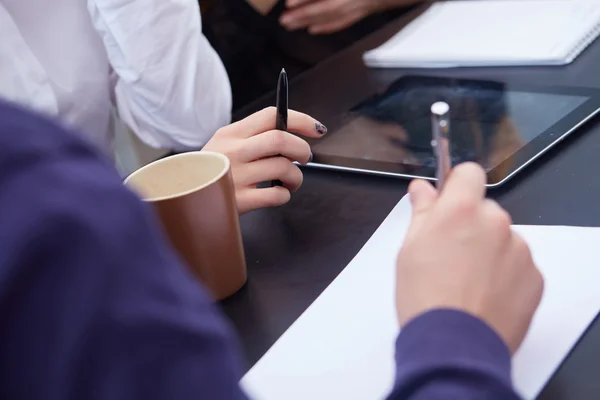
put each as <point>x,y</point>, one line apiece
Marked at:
<point>448,354</point>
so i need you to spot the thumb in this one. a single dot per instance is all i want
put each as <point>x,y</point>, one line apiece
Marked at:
<point>422,195</point>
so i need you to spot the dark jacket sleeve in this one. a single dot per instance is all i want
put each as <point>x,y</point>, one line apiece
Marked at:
<point>93,305</point>
<point>448,354</point>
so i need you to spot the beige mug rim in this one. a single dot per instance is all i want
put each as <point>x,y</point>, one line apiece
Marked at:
<point>190,154</point>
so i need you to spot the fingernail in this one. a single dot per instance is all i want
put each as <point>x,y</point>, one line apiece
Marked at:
<point>310,158</point>
<point>321,129</point>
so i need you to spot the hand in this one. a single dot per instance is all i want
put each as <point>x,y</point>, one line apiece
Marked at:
<point>259,153</point>
<point>330,16</point>
<point>325,16</point>
<point>461,253</point>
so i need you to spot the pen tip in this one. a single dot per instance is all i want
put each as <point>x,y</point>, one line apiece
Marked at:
<point>283,71</point>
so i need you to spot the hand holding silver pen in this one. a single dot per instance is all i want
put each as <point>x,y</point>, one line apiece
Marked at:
<point>440,125</point>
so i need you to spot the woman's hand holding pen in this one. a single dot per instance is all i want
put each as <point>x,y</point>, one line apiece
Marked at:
<point>260,153</point>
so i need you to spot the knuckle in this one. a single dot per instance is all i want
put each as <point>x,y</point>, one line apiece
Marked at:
<point>269,112</point>
<point>523,250</point>
<point>288,172</point>
<point>281,166</point>
<point>464,208</point>
<point>226,132</point>
<point>295,170</point>
<point>469,173</point>
<point>305,151</point>
<point>232,150</point>
<point>306,146</point>
<point>469,168</point>
<point>541,283</point>
<point>499,219</point>
<point>297,175</point>
<point>235,155</point>
<point>286,165</point>
<point>220,132</point>
<point>278,140</point>
<point>521,245</point>
<point>281,163</point>
<point>535,285</point>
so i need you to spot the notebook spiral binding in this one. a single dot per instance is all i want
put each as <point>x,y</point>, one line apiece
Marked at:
<point>583,43</point>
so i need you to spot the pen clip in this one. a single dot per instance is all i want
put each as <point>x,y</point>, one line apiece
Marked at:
<point>440,127</point>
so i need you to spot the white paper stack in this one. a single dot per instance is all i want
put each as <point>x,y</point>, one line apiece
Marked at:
<point>342,347</point>
<point>492,33</point>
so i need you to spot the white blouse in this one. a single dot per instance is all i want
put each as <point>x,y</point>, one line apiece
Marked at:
<point>75,58</point>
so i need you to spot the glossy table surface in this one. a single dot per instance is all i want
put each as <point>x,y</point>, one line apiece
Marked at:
<point>296,251</point>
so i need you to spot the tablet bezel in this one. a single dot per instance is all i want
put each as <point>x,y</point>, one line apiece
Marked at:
<point>497,175</point>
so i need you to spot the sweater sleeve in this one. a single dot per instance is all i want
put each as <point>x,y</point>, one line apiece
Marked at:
<point>448,354</point>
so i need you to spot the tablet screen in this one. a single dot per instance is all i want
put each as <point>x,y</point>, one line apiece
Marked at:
<point>489,122</point>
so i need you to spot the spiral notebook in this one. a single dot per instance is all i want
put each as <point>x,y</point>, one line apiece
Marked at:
<point>492,33</point>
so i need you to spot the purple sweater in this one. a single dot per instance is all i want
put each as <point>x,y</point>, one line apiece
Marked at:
<point>93,305</point>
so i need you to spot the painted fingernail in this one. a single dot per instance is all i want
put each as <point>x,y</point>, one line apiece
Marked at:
<point>310,158</point>
<point>321,129</point>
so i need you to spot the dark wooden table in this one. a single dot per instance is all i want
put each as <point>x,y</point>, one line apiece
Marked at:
<point>296,251</point>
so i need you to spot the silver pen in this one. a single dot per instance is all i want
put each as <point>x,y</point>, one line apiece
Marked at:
<point>440,125</point>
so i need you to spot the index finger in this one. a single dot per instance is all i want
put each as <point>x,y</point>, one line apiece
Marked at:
<point>265,120</point>
<point>466,182</point>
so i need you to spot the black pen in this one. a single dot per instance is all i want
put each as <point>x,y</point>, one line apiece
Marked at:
<point>282,108</point>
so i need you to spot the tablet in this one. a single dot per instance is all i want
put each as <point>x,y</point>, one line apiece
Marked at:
<point>502,126</point>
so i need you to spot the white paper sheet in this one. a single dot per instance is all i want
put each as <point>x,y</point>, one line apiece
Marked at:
<point>342,347</point>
